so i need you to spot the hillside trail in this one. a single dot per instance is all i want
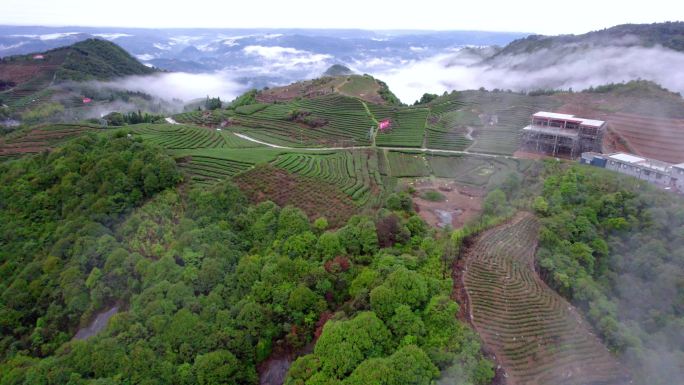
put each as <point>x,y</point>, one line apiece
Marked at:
<point>536,336</point>
<point>249,138</point>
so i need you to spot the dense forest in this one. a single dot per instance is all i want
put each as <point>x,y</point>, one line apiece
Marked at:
<point>211,285</point>
<point>615,246</point>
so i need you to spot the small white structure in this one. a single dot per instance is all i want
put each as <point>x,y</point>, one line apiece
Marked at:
<point>677,175</point>
<point>650,170</point>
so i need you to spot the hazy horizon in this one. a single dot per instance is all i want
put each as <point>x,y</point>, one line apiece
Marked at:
<point>531,16</point>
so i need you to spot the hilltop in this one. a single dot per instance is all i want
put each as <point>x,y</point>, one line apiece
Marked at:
<point>364,87</point>
<point>24,76</point>
<point>669,35</point>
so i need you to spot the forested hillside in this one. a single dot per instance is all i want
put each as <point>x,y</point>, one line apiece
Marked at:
<point>209,285</point>
<point>615,246</point>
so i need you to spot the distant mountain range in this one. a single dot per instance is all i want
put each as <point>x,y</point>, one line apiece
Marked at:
<point>411,62</point>
<point>263,56</point>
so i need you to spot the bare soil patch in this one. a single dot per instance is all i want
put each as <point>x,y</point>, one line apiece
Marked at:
<point>461,203</point>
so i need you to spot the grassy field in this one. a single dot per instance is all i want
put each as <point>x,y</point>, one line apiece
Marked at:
<point>477,171</point>
<point>407,164</point>
<point>536,335</point>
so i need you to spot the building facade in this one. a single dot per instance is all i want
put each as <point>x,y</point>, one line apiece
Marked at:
<point>659,173</point>
<point>563,134</point>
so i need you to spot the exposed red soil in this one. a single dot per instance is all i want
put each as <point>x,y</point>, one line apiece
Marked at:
<point>303,89</point>
<point>530,155</point>
<point>37,140</point>
<point>463,203</point>
<point>316,198</point>
<point>631,128</point>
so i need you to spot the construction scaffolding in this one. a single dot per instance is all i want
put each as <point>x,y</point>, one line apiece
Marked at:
<point>562,134</point>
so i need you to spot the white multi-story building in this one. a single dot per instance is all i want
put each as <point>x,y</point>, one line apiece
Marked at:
<point>562,134</point>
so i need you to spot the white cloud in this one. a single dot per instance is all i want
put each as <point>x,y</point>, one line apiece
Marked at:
<point>578,69</point>
<point>161,46</point>
<point>11,46</point>
<point>286,56</point>
<point>183,39</point>
<point>49,36</point>
<point>111,36</point>
<point>145,56</point>
<point>181,85</point>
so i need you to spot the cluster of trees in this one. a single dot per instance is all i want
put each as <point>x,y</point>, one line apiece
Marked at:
<point>426,98</point>
<point>387,95</point>
<point>615,246</point>
<point>211,104</point>
<point>121,119</point>
<point>98,59</point>
<point>45,111</point>
<point>56,213</point>
<point>209,285</point>
<point>245,99</point>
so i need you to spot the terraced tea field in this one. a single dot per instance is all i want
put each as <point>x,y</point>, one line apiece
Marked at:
<point>207,170</point>
<point>407,164</point>
<point>40,138</point>
<point>177,136</point>
<point>354,172</point>
<point>658,138</point>
<point>327,121</point>
<point>447,132</point>
<point>536,335</point>
<point>317,198</point>
<point>407,125</point>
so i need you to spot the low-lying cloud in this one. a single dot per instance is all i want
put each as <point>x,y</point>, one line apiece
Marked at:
<point>286,56</point>
<point>562,68</point>
<point>182,86</point>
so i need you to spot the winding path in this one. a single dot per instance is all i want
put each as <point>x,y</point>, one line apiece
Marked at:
<point>422,149</point>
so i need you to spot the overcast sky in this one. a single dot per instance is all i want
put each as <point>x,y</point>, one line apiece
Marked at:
<point>539,16</point>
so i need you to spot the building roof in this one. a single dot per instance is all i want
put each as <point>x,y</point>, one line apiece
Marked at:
<point>655,165</point>
<point>568,117</point>
<point>626,157</point>
<point>553,131</point>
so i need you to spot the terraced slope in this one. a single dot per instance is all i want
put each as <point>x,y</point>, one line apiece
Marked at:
<point>658,138</point>
<point>407,125</point>
<point>536,335</point>
<point>325,121</point>
<point>40,138</point>
<point>354,172</point>
<point>176,136</point>
<point>208,170</point>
